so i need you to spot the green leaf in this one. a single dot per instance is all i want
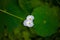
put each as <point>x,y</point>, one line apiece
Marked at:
<point>3,4</point>
<point>35,3</point>
<point>46,20</point>
<point>1,22</point>
<point>25,5</point>
<point>11,14</point>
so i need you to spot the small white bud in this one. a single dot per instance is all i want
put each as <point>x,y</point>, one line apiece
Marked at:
<point>30,17</point>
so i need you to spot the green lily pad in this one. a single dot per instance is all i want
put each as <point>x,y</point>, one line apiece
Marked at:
<point>46,20</point>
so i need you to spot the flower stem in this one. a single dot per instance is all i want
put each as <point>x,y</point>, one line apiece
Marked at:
<point>11,14</point>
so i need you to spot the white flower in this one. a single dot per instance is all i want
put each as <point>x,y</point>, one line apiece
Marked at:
<point>28,23</point>
<point>30,17</point>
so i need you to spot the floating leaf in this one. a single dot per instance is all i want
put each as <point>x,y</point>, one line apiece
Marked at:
<point>46,20</point>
